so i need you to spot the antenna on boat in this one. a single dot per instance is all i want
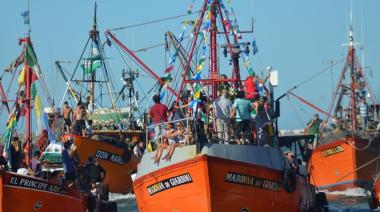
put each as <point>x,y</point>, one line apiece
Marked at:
<point>26,16</point>
<point>29,29</point>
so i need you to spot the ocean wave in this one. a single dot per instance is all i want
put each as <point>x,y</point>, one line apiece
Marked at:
<point>125,202</point>
<point>354,192</point>
<point>118,197</point>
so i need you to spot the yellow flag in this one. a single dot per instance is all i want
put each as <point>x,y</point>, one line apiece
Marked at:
<point>197,95</point>
<point>37,106</point>
<point>21,77</point>
<point>149,147</point>
<point>208,16</point>
<point>199,68</point>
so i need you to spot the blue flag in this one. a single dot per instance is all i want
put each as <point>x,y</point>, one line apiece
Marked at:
<point>254,47</point>
<point>25,15</point>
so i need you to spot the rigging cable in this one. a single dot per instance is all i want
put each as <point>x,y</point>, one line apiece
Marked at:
<point>316,75</point>
<point>295,111</point>
<point>155,21</point>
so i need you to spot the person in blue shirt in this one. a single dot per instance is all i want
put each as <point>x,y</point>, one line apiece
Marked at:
<point>68,164</point>
<point>241,111</point>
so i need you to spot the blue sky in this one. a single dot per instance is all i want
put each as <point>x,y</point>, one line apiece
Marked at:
<point>295,37</point>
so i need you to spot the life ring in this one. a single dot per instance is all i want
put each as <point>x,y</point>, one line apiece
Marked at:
<point>371,197</point>
<point>289,180</point>
<point>127,156</point>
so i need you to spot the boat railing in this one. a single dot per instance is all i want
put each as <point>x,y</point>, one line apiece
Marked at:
<point>162,124</point>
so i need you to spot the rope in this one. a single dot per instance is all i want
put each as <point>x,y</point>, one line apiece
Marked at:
<point>317,74</point>
<point>360,167</point>
<point>364,148</point>
<point>295,111</point>
<point>155,21</point>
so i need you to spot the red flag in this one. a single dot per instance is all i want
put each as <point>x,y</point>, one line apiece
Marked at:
<point>169,69</point>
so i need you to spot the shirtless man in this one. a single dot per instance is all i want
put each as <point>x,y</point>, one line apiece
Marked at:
<point>79,115</point>
<point>67,113</point>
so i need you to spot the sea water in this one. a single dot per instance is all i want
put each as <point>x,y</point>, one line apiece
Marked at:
<point>350,200</point>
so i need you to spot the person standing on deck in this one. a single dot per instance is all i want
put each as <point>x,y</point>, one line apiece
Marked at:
<point>79,115</point>
<point>251,92</point>
<point>262,122</point>
<point>363,111</point>
<point>224,85</point>
<point>68,164</point>
<point>3,161</point>
<point>159,113</point>
<point>16,154</point>
<point>67,113</point>
<point>222,110</point>
<point>313,128</point>
<point>35,168</point>
<point>241,110</point>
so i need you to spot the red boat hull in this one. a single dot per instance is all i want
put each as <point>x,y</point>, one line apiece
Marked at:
<point>110,157</point>
<point>345,163</point>
<point>22,193</point>
<point>207,183</point>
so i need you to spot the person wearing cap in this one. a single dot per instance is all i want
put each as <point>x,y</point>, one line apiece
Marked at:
<point>312,128</point>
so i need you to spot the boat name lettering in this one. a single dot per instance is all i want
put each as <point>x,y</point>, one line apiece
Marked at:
<point>35,184</point>
<point>242,179</point>
<point>332,151</point>
<point>169,183</point>
<point>114,158</point>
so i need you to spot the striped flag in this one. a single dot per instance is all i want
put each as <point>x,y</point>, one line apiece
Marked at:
<point>89,65</point>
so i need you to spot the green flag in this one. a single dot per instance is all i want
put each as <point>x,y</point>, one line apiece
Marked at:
<point>31,59</point>
<point>89,65</point>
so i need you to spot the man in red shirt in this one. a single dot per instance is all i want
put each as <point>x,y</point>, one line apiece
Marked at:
<point>159,113</point>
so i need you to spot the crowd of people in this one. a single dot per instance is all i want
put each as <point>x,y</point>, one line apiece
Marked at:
<point>234,117</point>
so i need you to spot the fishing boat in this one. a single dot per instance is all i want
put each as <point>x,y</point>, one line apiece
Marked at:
<point>348,155</point>
<point>29,193</point>
<point>373,194</point>
<point>114,128</point>
<point>208,176</point>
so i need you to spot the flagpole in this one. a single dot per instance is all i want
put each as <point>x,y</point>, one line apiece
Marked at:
<point>29,30</point>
